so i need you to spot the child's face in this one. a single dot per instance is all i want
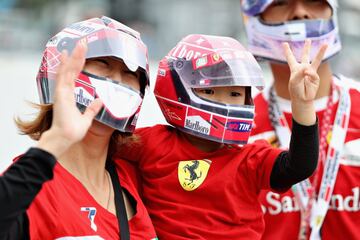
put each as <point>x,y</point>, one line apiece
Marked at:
<point>287,10</point>
<point>227,95</point>
<point>113,69</point>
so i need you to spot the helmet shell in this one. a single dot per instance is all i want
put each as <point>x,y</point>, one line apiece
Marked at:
<point>201,61</point>
<point>105,37</point>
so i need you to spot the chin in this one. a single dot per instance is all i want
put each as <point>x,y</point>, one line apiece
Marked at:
<point>100,129</point>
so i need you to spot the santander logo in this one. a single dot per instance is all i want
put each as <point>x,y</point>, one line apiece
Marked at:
<point>287,204</point>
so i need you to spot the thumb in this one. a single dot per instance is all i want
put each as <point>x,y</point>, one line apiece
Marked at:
<point>93,109</point>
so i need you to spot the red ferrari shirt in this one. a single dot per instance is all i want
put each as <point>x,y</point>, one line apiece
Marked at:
<point>282,212</point>
<point>64,209</point>
<point>192,194</point>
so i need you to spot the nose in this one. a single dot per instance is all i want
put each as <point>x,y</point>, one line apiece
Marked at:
<point>299,11</point>
<point>220,97</point>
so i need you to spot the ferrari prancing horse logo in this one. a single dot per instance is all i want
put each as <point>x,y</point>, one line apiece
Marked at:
<point>192,173</point>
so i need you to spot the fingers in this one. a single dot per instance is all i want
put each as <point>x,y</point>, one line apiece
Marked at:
<point>290,58</point>
<point>319,56</point>
<point>306,51</point>
<point>311,74</point>
<point>92,110</point>
<point>71,66</point>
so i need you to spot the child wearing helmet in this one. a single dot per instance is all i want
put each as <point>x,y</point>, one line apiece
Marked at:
<point>198,183</point>
<point>90,196</point>
<point>320,206</point>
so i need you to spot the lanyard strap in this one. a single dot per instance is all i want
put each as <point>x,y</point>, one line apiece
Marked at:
<point>305,191</point>
<point>119,202</point>
<point>334,154</point>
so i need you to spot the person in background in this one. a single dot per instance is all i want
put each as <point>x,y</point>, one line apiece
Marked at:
<point>197,182</point>
<point>325,206</point>
<point>89,196</point>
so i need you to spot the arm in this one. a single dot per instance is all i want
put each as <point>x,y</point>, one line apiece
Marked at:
<point>23,180</point>
<point>19,186</point>
<point>301,160</point>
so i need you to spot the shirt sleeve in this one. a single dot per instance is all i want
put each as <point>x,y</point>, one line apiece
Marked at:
<point>300,161</point>
<point>260,158</point>
<point>19,185</point>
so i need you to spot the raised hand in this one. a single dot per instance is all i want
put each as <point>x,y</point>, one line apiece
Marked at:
<point>69,125</point>
<point>304,82</point>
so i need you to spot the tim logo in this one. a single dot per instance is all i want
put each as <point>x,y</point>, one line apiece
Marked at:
<point>238,126</point>
<point>91,216</point>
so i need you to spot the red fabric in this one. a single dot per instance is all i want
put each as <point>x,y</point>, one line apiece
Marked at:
<point>282,214</point>
<point>56,211</point>
<point>224,206</point>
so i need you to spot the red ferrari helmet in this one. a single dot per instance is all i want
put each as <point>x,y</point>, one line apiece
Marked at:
<point>201,61</point>
<point>105,38</point>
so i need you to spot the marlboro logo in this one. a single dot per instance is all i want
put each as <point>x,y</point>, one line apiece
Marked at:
<point>197,124</point>
<point>84,93</point>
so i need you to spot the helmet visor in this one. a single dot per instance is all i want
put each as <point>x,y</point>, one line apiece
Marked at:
<point>299,29</point>
<point>114,43</point>
<point>220,70</point>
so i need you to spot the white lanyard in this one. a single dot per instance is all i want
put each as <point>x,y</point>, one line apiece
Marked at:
<point>313,212</point>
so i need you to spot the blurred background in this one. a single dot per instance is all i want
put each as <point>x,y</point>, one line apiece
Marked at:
<point>26,25</point>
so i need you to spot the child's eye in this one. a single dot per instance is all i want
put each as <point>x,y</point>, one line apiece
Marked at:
<point>235,94</point>
<point>207,91</point>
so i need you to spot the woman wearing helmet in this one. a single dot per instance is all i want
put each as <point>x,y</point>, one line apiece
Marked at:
<point>198,183</point>
<point>90,196</point>
<point>322,203</point>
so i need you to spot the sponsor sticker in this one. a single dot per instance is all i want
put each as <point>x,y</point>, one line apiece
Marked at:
<point>197,124</point>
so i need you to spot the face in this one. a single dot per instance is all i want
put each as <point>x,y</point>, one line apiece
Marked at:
<point>113,69</point>
<point>288,10</point>
<point>227,95</point>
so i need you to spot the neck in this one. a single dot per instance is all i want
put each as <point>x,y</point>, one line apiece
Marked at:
<point>281,74</point>
<point>203,144</point>
<point>86,160</point>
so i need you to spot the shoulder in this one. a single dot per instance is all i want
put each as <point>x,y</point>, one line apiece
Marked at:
<point>156,133</point>
<point>128,174</point>
<point>254,148</point>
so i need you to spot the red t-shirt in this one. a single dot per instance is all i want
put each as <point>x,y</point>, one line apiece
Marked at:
<point>191,194</point>
<point>64,209</point>
<point>282,213</point>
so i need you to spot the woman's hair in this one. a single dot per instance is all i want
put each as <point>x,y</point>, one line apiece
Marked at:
<point>42,122</point>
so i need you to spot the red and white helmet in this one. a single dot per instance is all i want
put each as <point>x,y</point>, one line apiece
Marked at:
<point>264,40</point>
<point>201,61</point>
<point>105,38</point>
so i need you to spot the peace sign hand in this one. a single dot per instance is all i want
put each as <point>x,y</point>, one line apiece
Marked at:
<point>69,125</point>
<point>304,82</point>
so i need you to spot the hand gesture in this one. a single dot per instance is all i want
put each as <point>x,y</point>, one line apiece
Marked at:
<point>304,80</point>
<point>69,125</point>
<point>304,83</point>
